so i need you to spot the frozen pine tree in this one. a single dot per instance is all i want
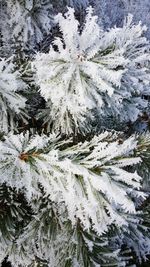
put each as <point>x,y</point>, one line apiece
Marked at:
<point>79,200</point>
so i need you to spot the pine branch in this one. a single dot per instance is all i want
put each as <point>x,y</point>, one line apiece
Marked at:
<point>12,103</point>
<point>50,240</point>
<point>143,149</point>
<point>90,174</point>
<point>14,215</point>
<point>92,69</point>
<point>26,22</point>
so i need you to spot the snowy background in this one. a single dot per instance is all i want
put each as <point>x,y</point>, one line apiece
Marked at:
<point>112,12</point>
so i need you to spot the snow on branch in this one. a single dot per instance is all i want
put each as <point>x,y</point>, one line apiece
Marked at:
<point>28,20</point>
<point>88,178</point>
<point>11,101</point>
<point>92,69</point>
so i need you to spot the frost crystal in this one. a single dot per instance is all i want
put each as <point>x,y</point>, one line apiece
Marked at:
<point>88,178</point>
<point>93,69</point>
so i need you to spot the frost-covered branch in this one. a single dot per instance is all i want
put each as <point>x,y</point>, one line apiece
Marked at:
<point>11,101</point>
<point>27,21</point>
<point>92,69</point>
<point>89,178</point>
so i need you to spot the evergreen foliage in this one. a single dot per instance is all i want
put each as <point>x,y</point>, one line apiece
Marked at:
<point>93,69</point>
<point>27,21</point>
<point>90,175</point>
<point>12,102</point>
<point>74,189</point>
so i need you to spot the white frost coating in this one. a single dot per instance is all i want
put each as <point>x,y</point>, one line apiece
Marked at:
<point>93,69</point>
<point>86,177</point>
<point>28,20</point>
<point>11,102</point>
